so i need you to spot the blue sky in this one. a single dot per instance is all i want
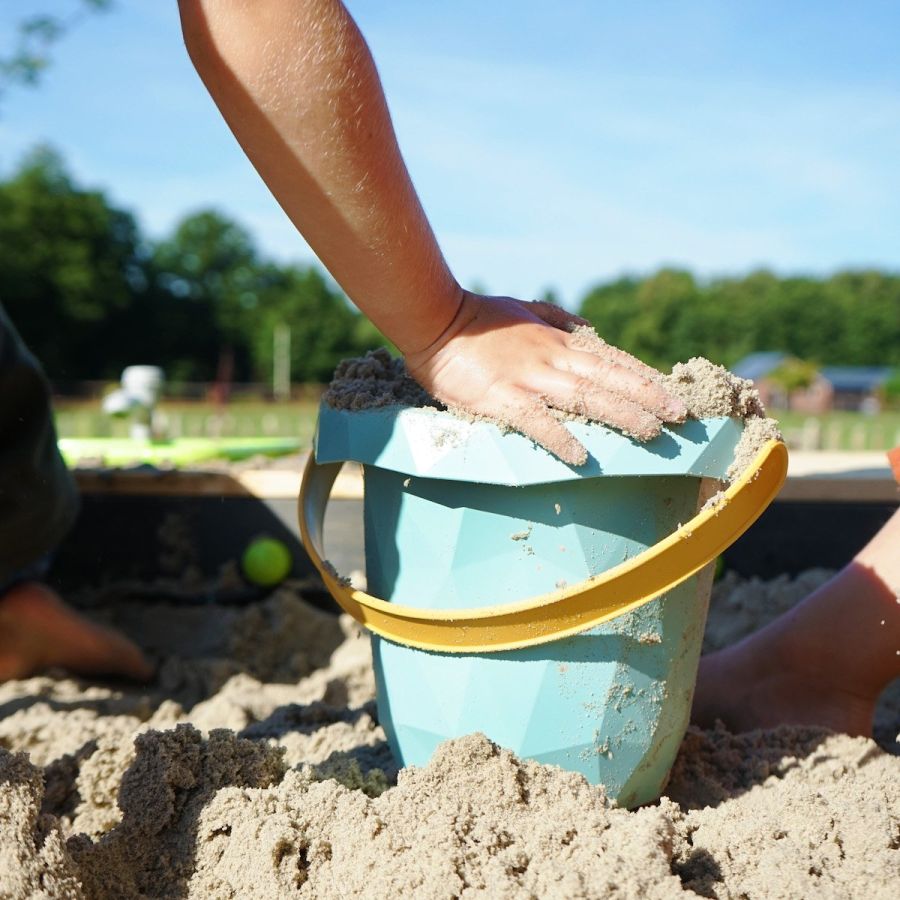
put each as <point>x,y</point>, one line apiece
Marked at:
<point>552,144</point>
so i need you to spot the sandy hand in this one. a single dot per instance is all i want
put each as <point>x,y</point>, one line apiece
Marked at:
<point>515,363</point>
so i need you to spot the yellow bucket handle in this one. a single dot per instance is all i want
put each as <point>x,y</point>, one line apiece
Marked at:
<point>562,612</point>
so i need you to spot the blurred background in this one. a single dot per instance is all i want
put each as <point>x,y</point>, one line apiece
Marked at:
<point>696,178</point>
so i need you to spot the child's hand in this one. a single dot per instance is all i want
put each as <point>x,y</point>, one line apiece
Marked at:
<point>516,362</point>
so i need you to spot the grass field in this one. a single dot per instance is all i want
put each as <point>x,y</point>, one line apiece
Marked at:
<point>834,431</point>
<point>840,430</point>
<point>240,419</point>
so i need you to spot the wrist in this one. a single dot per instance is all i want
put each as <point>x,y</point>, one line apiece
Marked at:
<point>445,318</point>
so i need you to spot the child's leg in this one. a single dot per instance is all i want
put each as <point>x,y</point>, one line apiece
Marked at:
<point>822,663</point>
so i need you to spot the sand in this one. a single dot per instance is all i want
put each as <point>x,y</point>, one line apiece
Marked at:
<point>372,381</point>
<point>255,767</point>
<point>709,390</point>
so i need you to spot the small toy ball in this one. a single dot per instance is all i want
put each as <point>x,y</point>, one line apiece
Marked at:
<point>266,561</point>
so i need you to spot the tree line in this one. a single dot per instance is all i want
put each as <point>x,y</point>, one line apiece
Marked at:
<point>848,318</point>
<point>91,294</point>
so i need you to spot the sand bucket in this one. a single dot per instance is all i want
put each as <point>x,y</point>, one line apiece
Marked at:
<point>559,611</point>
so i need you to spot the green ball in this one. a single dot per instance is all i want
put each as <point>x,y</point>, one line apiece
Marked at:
<point>266,561</point>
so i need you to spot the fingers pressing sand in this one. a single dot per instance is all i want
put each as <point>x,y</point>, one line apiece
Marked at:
<point>529,366</point>
<point>581,396</point>
<point>533,418</point>
<point>501,362</point>
<point>607,375</point>
<point>584,338</point>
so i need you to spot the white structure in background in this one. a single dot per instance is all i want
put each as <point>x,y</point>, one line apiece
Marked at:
<point>137,398</point>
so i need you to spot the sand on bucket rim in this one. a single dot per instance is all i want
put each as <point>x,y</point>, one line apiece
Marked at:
<point>378,380</point>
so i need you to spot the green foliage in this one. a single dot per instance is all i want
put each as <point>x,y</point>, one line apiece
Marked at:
<point>35,36</point>
<point>549,295</point>
<point>90,296</point>
<point>641,314</point>
<point>210,273</point>
<point>611,307</point>
<point>321,325</point>
<point>851,318</point>
<point>892,387</point>
<point>69,263</point>
<point>794,374</point>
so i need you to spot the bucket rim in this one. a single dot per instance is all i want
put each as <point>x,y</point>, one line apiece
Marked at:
<point>432,443</point>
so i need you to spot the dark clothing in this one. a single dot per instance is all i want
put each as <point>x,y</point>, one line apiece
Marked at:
<point>38,500</point>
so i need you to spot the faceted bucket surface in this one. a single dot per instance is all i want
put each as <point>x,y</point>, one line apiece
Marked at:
<point>611,703</point>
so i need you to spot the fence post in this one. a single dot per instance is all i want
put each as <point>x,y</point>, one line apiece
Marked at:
<point>281,362</point>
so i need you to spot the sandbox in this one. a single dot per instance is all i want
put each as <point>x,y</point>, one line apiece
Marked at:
<point>254,765</point>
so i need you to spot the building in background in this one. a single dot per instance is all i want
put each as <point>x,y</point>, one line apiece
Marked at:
<point>787,383</point>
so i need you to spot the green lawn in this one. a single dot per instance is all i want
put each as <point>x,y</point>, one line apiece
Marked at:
<point>840,430</point>
<point>239,419</point>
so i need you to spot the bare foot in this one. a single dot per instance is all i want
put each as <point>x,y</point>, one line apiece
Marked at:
<point>824,662</point>
<point>38,631</point>
<point>754,684</point>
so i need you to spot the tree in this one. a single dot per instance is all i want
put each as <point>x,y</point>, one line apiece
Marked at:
<point>35,36</point>
<point>892,388</point>
<point>223,303</point>
<point>852,318</point>
<point>663,299</point>
<point>794,374</point>
<point>69,263</point>
<point>211,267</point>
<point>868,305</point>
<point>549,295</point>
<point>611,306</point>
<point>741,309</point>
<point>641,315</point>
<point>91,296</point>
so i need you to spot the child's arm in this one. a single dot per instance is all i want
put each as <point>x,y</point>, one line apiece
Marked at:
<point>296,83</point>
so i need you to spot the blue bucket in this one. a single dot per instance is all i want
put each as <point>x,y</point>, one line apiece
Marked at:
<point>462,515</point>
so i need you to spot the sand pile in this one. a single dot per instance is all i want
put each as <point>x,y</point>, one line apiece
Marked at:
<point>374,380</point>
<point>709,390</point>
<point>255,767</point>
